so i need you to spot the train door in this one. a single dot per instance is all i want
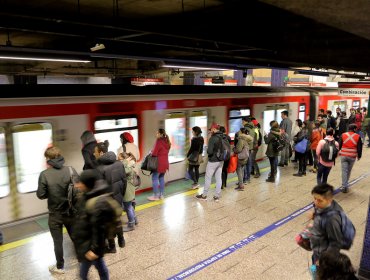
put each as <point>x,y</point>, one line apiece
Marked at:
<point>235,120</point>
<point>22,148</point>
<point>273,112</point>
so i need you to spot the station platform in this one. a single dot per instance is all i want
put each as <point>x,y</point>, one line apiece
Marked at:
<point>246,235</point>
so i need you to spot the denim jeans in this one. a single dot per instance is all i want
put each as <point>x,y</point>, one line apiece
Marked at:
<point>100,266</point>
<point>158,183</point>
<point>247,170</point>
<point>322,173</point>
<point>56,222</point>
<point>284,155</point>
<point>130,211</point>
<point>347,164</point>
<point>240,173</point>
<point>273,166</point>
<point>216,169</point>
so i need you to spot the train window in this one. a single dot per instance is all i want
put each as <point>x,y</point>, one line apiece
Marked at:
<point>235,120</point>
<point>356,104</point>
<point>30,143</point>
<point>111,128</point>
<point>302,112</point>
<point>4,177</point>
<point>175,128</point>
<point>339,104</point>
<point>199,118</point>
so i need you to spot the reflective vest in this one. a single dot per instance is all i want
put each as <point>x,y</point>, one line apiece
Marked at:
<point>349,146</point>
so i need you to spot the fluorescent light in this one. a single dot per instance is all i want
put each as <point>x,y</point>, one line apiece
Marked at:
<point>43,59</point>
<point>193,67</point>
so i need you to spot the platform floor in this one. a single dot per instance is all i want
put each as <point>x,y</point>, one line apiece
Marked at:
<point>181,232</point>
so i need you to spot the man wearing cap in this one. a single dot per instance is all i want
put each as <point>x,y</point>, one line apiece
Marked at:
<point>214,165</point>
<point>285,127</point>
<point>255,169</point>
<point>249,126</point>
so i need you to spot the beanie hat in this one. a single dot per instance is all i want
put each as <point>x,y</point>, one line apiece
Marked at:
<point>127,136</point>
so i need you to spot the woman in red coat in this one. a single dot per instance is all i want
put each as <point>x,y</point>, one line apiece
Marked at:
<point>161,149</point>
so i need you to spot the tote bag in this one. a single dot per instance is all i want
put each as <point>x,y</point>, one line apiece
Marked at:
<point>233,163</point>
<point>301,146</point>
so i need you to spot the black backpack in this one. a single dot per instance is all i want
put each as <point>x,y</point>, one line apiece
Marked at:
<point>224,149</point>
<point>329,151</point>
<point>278,144</point>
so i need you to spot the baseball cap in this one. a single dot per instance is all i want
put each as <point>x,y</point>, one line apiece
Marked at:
<point>255,122</point>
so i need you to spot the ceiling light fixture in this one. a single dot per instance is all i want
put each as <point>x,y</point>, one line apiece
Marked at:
<point>97,47</point>
<point>194,67</point>
<point>43,59</point>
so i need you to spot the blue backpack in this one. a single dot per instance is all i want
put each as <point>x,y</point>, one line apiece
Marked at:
<point>347,227</point>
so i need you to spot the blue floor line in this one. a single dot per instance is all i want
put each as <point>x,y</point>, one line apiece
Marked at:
<point>231,249</point>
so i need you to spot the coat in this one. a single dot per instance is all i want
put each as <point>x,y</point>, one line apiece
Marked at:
<point>88,146</point>
<point>196,145</point>
<point>273,134</point>
<point>161,150</point>
<point>129,167</point>
<point>114,173</point>
<point>244,141</point>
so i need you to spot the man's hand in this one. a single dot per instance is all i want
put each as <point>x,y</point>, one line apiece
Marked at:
<point>90,255</point>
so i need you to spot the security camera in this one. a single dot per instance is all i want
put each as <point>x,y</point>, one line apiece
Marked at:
<point>97,47</point>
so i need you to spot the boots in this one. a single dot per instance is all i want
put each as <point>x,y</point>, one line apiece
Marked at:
<point>240,187</point>
<point>121,241</point>
<point>111,248</point>
<point>270,179</point>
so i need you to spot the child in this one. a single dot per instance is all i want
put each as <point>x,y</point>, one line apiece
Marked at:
<point>128,160</point>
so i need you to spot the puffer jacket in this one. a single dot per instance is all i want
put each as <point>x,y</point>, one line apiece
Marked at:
<point>329,238</point>
<point>114,173</point>
<point>129,167</point>
<point>53,185</point>
<point>273,134</point>
<point>213,145</point>
<point>89,232</point>
<point>244,141</point>
<point>161,150</point>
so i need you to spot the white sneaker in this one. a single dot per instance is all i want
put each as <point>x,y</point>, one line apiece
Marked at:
<point>54,269</point>
<point>153,198</point>
<point>195,187</point>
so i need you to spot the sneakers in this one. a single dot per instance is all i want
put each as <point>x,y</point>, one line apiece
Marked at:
<point>112,250</point>
<point>121,243</point>
<point>195,186</point>
<point>298,175</point>
<point>153,198</point>
<point>216,198</point>
<point>201,197</point>
<point>281,164</point>
<point>239,188</point>
<point>270,180</point>
<point>256,176</point>
<point>54,269</point>
<point>344,190</point>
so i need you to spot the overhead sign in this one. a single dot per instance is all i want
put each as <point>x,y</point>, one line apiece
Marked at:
<point>354,92</point>
<point>354,89</point>
<point>146,82</point>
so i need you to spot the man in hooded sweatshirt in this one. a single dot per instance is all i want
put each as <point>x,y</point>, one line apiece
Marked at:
<point>53,186</point>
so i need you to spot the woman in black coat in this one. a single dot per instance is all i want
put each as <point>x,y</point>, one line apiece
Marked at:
<point>196,147</point>
<point>88,145</point>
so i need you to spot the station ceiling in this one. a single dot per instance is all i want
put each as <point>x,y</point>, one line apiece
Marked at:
<point>140,36</point>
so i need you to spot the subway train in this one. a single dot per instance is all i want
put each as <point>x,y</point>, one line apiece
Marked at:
<point>35,116</point>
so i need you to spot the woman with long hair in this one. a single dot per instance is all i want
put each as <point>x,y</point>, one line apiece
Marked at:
<point>301,157</point>
<point>196,147</point>
<point>161,149</point>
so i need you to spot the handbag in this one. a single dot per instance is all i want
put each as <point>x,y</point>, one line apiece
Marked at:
<point>303,238</point>
<point>244,154</point>
<point>193,158</point>
<point>150,163</point>
<point>301,146</point>
<point>233,164</point>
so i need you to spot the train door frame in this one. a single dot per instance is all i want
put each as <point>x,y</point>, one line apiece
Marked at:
<point>231,130</point>
<point>277,108</point>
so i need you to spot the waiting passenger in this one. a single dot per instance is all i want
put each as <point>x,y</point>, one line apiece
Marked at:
<point>243,153</point>
<point>272,153</point>
<point>315,138</point>
<point>335,266</point>
<point>302,135</point>
<point>255,170</point>
<point>112,171</point>
<point>286,127</point>
<point>128,160</point>
<point>214,165</point>
<point>91,229</point>
<point>128,145</point>
<point>196,148</point>
<point>350,145</point>
<point>161,150</point>
<point>226,162</point>
<point>88,145</point>
<point>249,126</point>
<point>324,164</point>
<point>53,186</point>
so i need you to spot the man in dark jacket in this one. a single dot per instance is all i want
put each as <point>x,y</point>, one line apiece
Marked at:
<point>330,237</point>
<point>214,165</point>
<point>113,172</point>
<point>88,145</point>
<point>53,186</point>
<point>91,229</point>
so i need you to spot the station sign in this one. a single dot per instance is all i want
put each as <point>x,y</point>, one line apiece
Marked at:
<point>146,82</point>
<point>354,89</point>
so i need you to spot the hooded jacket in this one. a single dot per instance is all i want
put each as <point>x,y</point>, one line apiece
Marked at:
<point>272,136</point>
<point>197,143</point>
<point>244,141</point>
<point>53,185</point>
<point>214,143</point>
<point>89,232</point>
<point>114,173</point>
<point>331,236</point>
<point>161,150</point>
<point>88,145</point>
